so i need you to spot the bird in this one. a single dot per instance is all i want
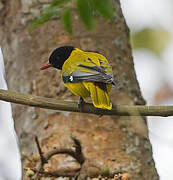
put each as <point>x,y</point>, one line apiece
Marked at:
<point>84,73</point>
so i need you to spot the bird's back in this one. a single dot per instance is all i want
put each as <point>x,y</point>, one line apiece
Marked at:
<point>89,74</point>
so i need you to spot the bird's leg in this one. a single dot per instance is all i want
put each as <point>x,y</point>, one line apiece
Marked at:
<point>81,102</point>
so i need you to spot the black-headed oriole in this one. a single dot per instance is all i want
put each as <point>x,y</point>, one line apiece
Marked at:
<point>85,73</point>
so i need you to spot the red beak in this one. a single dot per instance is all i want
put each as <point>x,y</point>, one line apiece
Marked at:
<point>46,65</point>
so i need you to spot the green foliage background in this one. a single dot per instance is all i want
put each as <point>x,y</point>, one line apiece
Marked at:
<point>87,10</point>
<point>153,39</point>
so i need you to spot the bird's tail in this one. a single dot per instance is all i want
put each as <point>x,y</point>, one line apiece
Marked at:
<point>99,95</point>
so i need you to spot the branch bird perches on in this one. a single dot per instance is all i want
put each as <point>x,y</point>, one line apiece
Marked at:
<point>61,105</point>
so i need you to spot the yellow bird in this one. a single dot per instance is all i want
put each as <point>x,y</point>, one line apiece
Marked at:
<point>85,73</point>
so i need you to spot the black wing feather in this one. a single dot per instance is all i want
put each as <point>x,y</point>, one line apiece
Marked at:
<point>98,75</point>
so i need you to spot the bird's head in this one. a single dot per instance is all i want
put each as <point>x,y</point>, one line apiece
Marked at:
<point>58,57</point>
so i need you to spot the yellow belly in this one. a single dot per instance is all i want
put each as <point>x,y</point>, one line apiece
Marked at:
<point>99,96</point>
<point>78,89</point>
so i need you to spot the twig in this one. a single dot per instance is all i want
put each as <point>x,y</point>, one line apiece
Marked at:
<point>63,151</point>
<point>79,154</point>
<point>76,154</point>
<point>55,104</point>
<point>42,158</point>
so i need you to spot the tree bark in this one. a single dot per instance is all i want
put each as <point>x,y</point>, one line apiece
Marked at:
<point>108,143</point>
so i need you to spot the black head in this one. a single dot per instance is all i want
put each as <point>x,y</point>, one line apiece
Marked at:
<point>59,56</point>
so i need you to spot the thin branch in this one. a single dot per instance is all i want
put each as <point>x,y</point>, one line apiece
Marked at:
<point>64,151</point>
<point>55,104</point>
<point>44,157</point>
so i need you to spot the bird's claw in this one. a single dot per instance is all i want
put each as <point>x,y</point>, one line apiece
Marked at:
<point>80,103</point>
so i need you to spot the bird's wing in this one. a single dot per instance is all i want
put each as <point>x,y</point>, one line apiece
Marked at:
<point>91,67</point>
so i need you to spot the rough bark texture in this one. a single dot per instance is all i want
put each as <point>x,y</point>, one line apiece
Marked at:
<point>114,143</point>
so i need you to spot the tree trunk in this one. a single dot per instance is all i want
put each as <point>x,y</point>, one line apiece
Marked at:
<point>108,143</point>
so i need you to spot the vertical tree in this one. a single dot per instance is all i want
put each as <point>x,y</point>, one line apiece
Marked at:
<point>109,144</point>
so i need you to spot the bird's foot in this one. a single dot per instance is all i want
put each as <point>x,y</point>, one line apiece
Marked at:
<point>100,115</point>
<point>81,102</point>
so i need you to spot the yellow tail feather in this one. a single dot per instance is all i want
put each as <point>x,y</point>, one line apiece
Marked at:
<point>99,95</point>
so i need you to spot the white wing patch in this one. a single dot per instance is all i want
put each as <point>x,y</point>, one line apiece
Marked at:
<point>71,78</point>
